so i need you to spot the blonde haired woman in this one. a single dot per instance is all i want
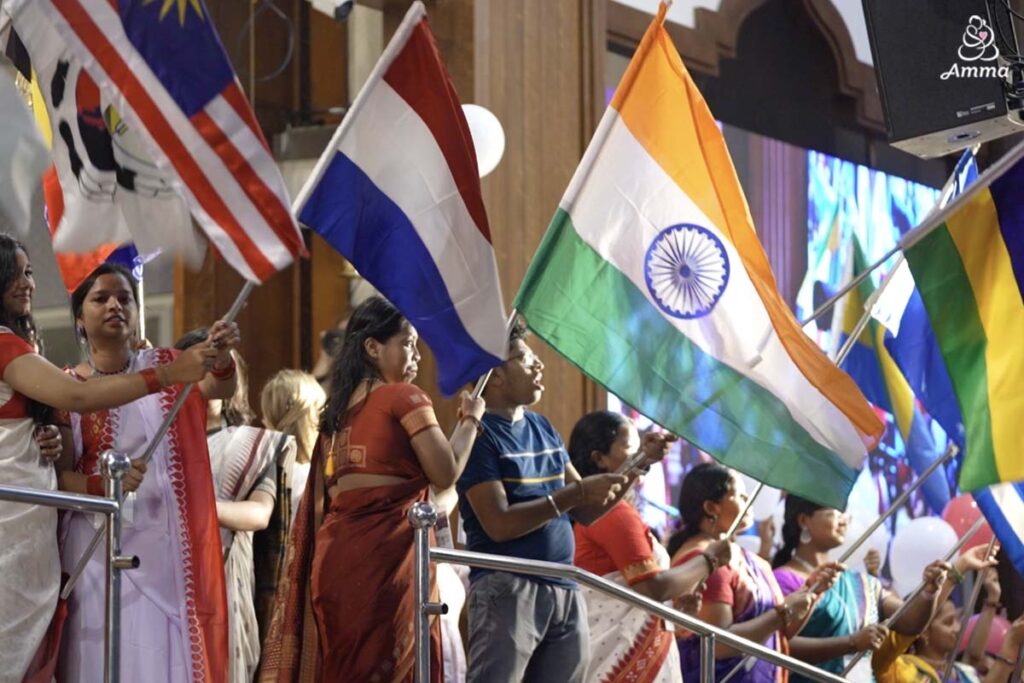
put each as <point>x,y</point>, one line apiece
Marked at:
<point>291,402</point>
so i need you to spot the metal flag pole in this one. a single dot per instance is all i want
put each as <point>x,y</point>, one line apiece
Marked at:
<point>746,508</point>
<point>896,504</point>
<point>968,606</point>
<point>944,197</point>
<point>920,587</point>
<point>147,455</point>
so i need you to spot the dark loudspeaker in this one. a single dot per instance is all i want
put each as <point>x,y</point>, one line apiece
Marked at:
<point>942,73</point>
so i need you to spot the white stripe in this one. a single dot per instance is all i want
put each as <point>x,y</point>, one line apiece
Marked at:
<point>531,454</point>
<point>1007,497</point>
<point>219,176</point>
<point>626,189</point>
<point>394,147</point>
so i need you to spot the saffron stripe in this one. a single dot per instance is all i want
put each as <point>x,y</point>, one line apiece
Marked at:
<point>665,112</point>
<point>415,69</point>
<point>953,310</point>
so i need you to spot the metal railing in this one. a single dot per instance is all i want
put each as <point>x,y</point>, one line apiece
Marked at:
<point>114,465</point>
<point>423,516</point>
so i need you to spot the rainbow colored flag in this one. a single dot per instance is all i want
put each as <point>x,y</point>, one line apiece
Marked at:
<point>652,281</point>
<point>968,263</point>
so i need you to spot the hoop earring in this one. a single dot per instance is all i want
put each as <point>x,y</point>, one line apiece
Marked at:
<point>805,535</point>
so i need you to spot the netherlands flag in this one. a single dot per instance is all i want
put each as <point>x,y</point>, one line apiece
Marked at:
<point>397,192</point>
<point>162,66</point>
<point>1003,507</point>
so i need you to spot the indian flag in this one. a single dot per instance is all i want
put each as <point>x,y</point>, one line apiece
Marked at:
<point>652,281</point>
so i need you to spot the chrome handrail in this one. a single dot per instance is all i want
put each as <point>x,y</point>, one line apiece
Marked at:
<point>58,499</point>
<point>423,516</point>
<point>114,465</point>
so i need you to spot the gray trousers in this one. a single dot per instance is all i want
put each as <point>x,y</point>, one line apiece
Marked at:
<point>524,630</point>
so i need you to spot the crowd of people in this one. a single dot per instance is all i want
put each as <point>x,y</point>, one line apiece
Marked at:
<point>283,552</point>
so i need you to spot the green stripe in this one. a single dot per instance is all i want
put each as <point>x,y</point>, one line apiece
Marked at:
<point>949,299</point>
<point>592,314</point>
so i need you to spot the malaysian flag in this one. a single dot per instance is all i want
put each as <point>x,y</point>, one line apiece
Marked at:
<point>162,67</point>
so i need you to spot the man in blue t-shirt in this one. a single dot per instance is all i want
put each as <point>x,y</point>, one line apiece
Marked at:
<point>517,494</point>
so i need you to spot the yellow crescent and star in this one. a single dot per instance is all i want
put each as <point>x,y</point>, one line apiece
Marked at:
<point>182,5</point>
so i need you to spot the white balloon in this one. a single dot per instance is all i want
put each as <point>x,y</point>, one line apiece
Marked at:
<point>916,544</point>
<point>488,137</point>
<point>878,540</point>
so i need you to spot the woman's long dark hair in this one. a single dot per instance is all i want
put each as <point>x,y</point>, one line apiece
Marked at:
<point>594,431</point>
<point>82,291</point>
<point>377,319</point>
<point>707,481</point>
<point>22,325</point>
<point>795,506</point>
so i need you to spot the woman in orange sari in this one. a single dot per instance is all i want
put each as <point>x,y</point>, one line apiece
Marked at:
<point>345,607</point>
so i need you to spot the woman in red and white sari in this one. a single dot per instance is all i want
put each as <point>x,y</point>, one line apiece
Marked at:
<point>626,643</point>
<point>174,614</point>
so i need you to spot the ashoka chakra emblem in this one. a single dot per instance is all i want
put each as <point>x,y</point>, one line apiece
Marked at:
<point>686,269</point>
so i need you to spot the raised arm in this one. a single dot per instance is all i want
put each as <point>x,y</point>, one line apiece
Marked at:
<point>442,460</point>
<point>655,446</point>
<point>35,377</point>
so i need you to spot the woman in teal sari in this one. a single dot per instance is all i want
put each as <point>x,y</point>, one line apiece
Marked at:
<point>847,618</point>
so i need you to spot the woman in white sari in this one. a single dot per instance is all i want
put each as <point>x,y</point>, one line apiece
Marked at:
<point>174,607</point>
<point>29,563</point>
<point>627,643</point>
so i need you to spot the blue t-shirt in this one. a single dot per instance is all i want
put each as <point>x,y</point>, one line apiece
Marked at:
<point>529,459</point>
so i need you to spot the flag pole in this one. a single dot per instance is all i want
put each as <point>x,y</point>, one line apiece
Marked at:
<point>920,587</point>
<point>147,455</point>
<point>865,317</point>
<point>746,508</point>
<point>944,198</point>
<point>968,607</point>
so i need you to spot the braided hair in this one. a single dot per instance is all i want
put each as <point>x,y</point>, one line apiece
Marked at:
<point>795,506</point>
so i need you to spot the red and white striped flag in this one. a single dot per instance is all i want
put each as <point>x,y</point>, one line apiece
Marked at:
<point>162,67</point>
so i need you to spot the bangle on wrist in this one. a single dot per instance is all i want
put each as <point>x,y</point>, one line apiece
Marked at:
<point>955,574</point>
<point>711,560</point>
<point>94,485</point>
<point>994,604</point>
<point>224,373</point>
<point>583,492</point>
<point>554,506</point>
<point>851,645</point>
